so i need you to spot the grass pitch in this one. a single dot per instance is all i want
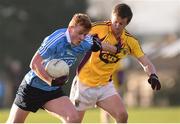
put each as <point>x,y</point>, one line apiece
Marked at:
<point>136,115</point>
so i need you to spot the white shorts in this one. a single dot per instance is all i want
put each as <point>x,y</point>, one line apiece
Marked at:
<point>85,97</point>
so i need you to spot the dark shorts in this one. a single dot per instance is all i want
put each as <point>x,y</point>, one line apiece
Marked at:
<point>31,99</point>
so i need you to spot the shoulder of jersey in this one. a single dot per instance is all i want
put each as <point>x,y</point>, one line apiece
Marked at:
<point>101,23</point>
<point>129,35</point>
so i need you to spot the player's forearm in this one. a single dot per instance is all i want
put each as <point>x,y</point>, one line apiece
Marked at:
<point>37,66</point>
<point>41,73</point>
<point>147,65</point>
<point>150,69</point>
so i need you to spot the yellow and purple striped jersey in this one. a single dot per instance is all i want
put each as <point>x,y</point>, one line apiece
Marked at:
<point>96,68</point>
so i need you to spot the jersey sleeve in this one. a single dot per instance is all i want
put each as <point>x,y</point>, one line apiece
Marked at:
<point>49,44</point>
<point>135,47</point>
<point>46,49</point>
<point>87,43</point>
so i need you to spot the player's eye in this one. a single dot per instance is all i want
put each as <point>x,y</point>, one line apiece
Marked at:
<point>82,33</point>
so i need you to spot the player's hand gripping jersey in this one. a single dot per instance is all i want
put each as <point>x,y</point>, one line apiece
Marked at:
<point>96,68</point>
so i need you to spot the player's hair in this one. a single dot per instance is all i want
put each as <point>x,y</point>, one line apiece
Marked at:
<point>124,11</point>
<point>82,20</point>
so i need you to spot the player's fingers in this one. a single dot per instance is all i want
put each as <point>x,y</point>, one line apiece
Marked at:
<point>158,87</point>
<point>152,86</point>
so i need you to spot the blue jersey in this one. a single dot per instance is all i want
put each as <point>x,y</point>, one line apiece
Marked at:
<point>57,46</point>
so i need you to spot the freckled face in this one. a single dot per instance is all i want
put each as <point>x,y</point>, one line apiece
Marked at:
<point>77,34</point>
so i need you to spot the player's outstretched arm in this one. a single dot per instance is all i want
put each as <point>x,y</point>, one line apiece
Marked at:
<point>151,71</point>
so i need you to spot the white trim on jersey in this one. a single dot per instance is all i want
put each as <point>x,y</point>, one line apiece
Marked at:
<point>68,36</point>
<point>53,38</point>
<point>51,42</point>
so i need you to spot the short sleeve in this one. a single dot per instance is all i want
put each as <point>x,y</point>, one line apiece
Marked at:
<point>135,47</point>
<point>47,48</point>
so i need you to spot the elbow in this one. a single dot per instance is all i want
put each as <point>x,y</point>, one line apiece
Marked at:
<point>31,65</point>
<point>36,60</point>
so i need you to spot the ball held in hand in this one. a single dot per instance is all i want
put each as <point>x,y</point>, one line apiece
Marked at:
<point>57,68</point>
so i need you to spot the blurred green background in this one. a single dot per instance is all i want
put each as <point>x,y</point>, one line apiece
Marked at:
<point>136,115</point>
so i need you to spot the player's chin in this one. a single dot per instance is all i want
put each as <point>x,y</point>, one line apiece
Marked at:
<point>76,43</point>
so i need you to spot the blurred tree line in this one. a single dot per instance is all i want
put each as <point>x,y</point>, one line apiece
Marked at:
<point>24,24</point>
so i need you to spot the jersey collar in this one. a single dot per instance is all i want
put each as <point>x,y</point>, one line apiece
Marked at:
<point>68,36</point>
